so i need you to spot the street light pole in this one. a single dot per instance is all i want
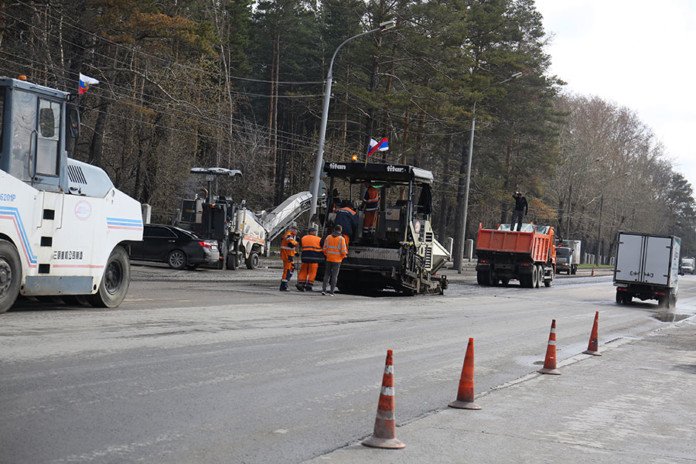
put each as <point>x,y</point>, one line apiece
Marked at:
<point>459,255</point>
<point>325,117</point>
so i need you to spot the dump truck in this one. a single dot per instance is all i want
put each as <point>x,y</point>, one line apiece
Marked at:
<point>64,227</point>
<point>401,252</point>
<point>242,235</point>
<point>647,268</point>
<point>528,255</point>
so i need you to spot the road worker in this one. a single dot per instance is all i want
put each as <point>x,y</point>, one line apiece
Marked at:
<point>335,250</point>
<point>371,208</point>
<point>347,218</point>
<point>288,248</point>
<point>312,255</point>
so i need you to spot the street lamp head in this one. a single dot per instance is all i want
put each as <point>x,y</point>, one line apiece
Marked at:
<point>516,75</point>
<point>386,25</point>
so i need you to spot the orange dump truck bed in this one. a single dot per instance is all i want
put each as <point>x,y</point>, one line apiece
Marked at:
<point>535,244</point>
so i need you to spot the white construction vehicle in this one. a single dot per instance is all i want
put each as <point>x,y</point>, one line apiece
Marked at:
<point>242,235</point>
<point>62,222</point>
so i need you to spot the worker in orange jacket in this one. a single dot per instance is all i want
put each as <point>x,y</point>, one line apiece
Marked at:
<point>288,249</point>
<point>312,255</point>
<point>371,208</point>
<point>335,250</point>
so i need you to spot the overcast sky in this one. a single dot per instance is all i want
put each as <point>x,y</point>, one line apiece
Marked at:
<point>635,53</point>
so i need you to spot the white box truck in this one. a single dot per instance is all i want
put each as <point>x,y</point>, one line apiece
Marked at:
<point>568,256</point>
<point>647,267</point>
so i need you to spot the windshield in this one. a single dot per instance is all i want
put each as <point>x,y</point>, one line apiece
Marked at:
<point>563,252</point>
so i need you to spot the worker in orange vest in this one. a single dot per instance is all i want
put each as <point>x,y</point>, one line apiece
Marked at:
<point>288,248</point>
<point>312,255</point>
<point>371,208</point>
<point>335,250</point>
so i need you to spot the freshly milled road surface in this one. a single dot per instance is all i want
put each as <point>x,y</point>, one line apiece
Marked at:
<point>219,367</point>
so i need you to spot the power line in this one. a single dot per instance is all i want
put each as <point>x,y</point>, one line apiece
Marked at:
<point>168,62</point>
<point>233,123</point>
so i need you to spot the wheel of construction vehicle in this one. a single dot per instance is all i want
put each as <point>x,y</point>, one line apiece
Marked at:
<point>176,259</point>
<point>485,278</point>
<point>505,282</point>
<point>10,275</point>
<point>114,283</point>
<point>620,298</point>
<point>535,276</point>
<point>252,262</point>
<point>547,282</point>
<point>540,276</point>
<point>527,281</point>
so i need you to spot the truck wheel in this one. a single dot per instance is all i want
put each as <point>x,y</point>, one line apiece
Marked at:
<point>10,275</point>
<point>505,282</point>
<point>481,277</point>
<point>526,281</point>
<point>619,298</point>
<point>176,259</point>
<point>114,284</point>
<point>536,270</point>
<point>574,270</point>
<point>252,261</point>
<point>547,282</point>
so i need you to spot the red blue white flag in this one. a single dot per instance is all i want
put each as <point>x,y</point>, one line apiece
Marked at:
<point>375,146</point>
<point>85,82</point>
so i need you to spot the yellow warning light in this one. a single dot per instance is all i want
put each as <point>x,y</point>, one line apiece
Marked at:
<point>354,157</point>
<point>22,77</point>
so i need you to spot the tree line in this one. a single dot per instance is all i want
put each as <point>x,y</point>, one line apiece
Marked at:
<point>239,84</point>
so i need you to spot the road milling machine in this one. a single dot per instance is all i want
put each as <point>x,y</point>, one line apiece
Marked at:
<point>242,235</point>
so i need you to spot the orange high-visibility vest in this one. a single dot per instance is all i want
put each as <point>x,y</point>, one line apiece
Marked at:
<point>312,251</point>
<point>288,246</point>
<point>335,248</point>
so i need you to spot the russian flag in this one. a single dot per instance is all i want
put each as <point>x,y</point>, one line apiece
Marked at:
<point>375,146</point>
<point>85,82</point>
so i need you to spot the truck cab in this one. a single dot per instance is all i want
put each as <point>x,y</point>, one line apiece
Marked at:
<point>62,222</point>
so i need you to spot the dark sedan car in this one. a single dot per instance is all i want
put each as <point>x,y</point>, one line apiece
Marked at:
<point>177,247</point>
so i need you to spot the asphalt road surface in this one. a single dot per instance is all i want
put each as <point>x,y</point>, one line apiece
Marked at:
<point>220,367</point>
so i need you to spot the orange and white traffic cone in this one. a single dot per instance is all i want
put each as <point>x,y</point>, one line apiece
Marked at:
<point>550,360</point>
<point>593,345</point>
<point>384,435</point>
<point>465,393</point>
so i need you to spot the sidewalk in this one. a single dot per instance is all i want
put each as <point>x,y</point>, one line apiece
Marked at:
<point>634,404</point>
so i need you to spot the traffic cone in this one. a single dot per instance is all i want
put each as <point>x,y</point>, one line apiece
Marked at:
<point>384,435</point>
<point>550,360</point>
<point>465,393</point>
<point>593,346</point>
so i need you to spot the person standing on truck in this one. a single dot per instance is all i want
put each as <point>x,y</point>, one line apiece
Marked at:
<point>371,208</point>
<point>335,250</point>
<point>312,255</point>
<point>288,248</point>
<point>519,212</point>
<point>347,218</point>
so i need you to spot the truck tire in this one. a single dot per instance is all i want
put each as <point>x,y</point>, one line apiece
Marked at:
<point>574,270</point>
<point>115,281</point>
<point>527,281</point>
<point>252,262</point>
<point>536,270</point>
<point>619,297</point>
<point>176,259</point>
<point>10,275</point>
<point>549,281</point>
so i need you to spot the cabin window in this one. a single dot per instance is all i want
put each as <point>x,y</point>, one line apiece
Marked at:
<point>23,125</point>
<point>48,138</point>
